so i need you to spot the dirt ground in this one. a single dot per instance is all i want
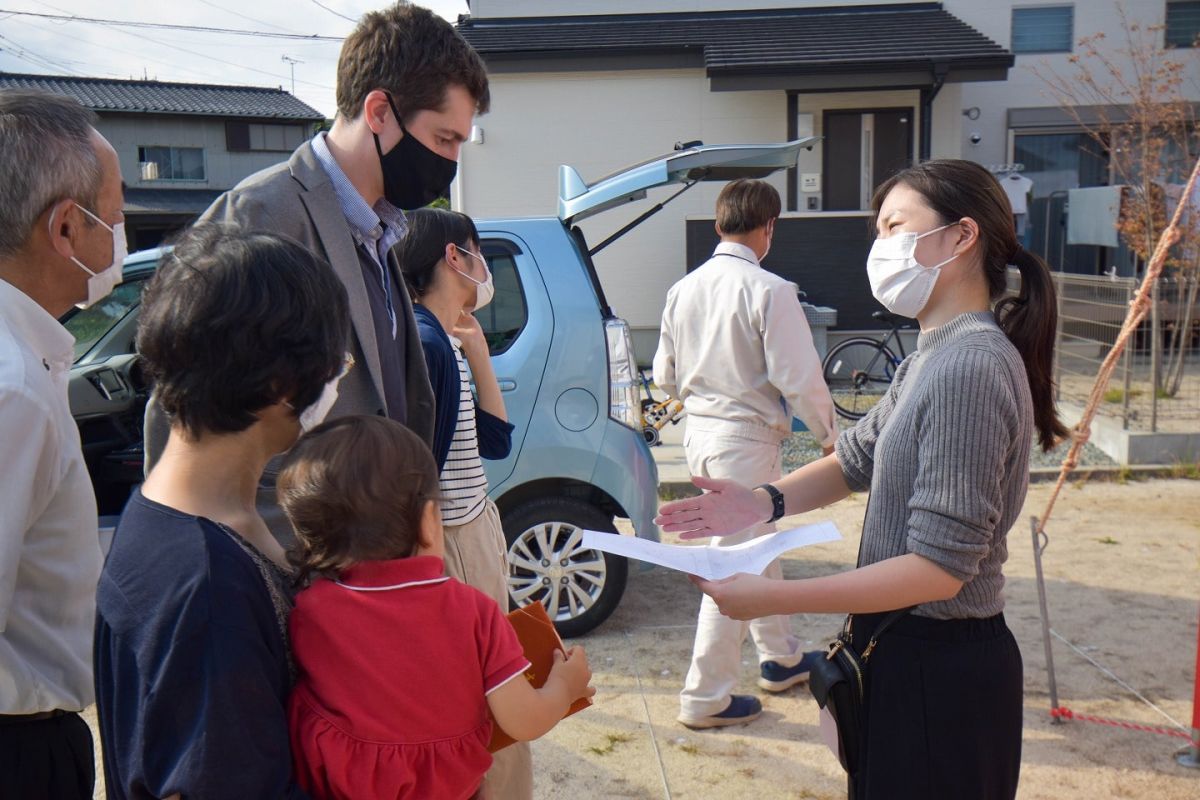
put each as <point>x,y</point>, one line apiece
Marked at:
<point>1123,586</point>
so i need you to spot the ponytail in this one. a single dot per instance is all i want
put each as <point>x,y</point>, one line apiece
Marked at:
<point>956,189</point>
<point>1030,321</point>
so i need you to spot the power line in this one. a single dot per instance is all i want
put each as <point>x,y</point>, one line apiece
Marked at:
<point>144,38</point>
<point>121,23</point>
<point>243,16</point>
<point>28,56</point>
<point>138,54</point>
<point>331,11</point>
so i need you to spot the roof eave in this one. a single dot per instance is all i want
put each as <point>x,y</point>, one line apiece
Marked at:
<point>155,112</point>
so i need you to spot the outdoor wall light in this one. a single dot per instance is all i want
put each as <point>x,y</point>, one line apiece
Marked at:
<point>971,113</point>
<point>976,137</point>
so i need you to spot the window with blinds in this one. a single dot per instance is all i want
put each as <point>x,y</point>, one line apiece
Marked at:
<point>1043,29</point>
<point>1183,23</point>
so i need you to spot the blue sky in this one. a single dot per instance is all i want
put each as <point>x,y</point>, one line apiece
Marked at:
<point>67,48</point>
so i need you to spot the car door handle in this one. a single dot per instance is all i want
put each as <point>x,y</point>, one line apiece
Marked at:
<point>506,384</point>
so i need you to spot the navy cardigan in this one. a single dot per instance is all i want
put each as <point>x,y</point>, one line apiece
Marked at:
<point>494,434</point>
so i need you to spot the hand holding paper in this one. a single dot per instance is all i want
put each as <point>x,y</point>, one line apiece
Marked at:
<point>714,563</point>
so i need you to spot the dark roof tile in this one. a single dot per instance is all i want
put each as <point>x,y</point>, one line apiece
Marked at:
<point>106,95</point>
<point>801,39</point>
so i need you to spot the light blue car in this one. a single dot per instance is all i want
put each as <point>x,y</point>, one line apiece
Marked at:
<point>564,362</point>
<point>566,366</point>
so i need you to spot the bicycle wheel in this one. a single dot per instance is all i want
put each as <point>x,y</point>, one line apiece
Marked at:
<point>858,373</point>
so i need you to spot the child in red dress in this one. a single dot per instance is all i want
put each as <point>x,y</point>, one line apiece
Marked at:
<point>397,665</point>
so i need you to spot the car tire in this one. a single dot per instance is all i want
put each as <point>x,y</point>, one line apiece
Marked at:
<point>542,535</point>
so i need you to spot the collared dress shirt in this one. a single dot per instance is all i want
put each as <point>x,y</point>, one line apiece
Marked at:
<point>49,540</point>
<point>376,230</point>
<point>736,349</point>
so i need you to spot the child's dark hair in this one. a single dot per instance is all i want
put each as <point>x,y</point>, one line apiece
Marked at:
<point>429,231</point>
<point>355,489</point>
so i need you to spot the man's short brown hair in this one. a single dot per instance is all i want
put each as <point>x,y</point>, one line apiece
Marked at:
<point>412,54</point>
<point>746,205</point>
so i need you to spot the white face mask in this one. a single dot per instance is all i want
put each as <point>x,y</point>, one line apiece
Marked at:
<point>315,414</point>
<point>484,289</point>
<point>898,280</point>
<point>101,283</point>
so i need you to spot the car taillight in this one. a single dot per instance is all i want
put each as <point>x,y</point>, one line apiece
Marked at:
<point>624,393</point>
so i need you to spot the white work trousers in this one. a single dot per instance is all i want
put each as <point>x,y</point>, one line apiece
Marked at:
<point>750,460</point>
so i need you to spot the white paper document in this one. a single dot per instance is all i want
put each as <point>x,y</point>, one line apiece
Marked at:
<point>713,563</point>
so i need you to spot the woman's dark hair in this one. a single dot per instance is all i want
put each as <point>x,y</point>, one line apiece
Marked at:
<point>234,321</point>
<point>955,189</point>
<point>354,490</point>
<point>429,231</point>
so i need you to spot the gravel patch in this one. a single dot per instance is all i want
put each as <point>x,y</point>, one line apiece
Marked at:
<point>801,448</point>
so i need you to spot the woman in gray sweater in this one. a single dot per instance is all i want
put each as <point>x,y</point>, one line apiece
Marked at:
<point>945,456</point>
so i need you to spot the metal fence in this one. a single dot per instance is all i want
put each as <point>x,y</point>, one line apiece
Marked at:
<point>1156,386</point>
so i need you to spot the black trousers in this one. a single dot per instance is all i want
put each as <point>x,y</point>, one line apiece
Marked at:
<point>48,759</point>
<point>943,710</point>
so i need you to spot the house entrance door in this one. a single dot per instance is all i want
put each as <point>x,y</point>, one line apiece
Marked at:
<point>862,149</point>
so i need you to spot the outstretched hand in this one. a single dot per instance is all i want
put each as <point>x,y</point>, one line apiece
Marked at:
<point>726,507</point>
<point>742,596</point>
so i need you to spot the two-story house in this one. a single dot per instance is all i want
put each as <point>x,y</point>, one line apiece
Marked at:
<point>182,144</point>
<point>603,83</point>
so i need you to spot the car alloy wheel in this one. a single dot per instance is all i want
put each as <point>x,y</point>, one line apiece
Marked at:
<point>547,566</point>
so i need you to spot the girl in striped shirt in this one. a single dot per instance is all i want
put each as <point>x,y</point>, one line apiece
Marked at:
<point>448,278</point>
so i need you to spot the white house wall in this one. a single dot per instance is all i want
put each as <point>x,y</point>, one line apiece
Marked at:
<point>222,168</point>
<point>599,123</point>
<point>1024,89</point>
<point>993,18</point>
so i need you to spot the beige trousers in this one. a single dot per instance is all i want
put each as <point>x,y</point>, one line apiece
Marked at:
<point>476,555</point>
<point>749,459</point>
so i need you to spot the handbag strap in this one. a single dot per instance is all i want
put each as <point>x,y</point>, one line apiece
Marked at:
<point>881,628</point>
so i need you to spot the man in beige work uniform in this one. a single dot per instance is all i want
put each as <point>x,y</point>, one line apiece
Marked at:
<point>737,352</point>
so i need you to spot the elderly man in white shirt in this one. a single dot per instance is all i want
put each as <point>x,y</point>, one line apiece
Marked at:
<point>61,243</point>
<point>736,350</point>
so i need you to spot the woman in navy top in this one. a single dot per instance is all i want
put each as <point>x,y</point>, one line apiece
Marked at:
<point>244,335</point>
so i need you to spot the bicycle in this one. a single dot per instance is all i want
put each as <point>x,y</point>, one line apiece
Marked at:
<point>859,371</point>
<point>657,414</point>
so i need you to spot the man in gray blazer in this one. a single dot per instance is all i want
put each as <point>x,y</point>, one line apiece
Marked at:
<point>408,90</point>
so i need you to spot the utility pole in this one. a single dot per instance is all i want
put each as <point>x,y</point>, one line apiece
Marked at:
<point>291,62</point>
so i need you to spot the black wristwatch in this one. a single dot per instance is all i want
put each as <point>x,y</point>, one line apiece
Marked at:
<point>776,501</point>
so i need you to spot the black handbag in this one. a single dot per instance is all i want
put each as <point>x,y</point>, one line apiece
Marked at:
<point>838,683</point>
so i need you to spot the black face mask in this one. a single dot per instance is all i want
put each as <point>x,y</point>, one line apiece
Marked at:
<point>413,175</point>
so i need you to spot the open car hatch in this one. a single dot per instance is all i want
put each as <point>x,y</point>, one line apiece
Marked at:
<point>577,200</point>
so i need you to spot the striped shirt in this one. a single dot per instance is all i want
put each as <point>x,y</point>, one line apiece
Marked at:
<point>463,482</point>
